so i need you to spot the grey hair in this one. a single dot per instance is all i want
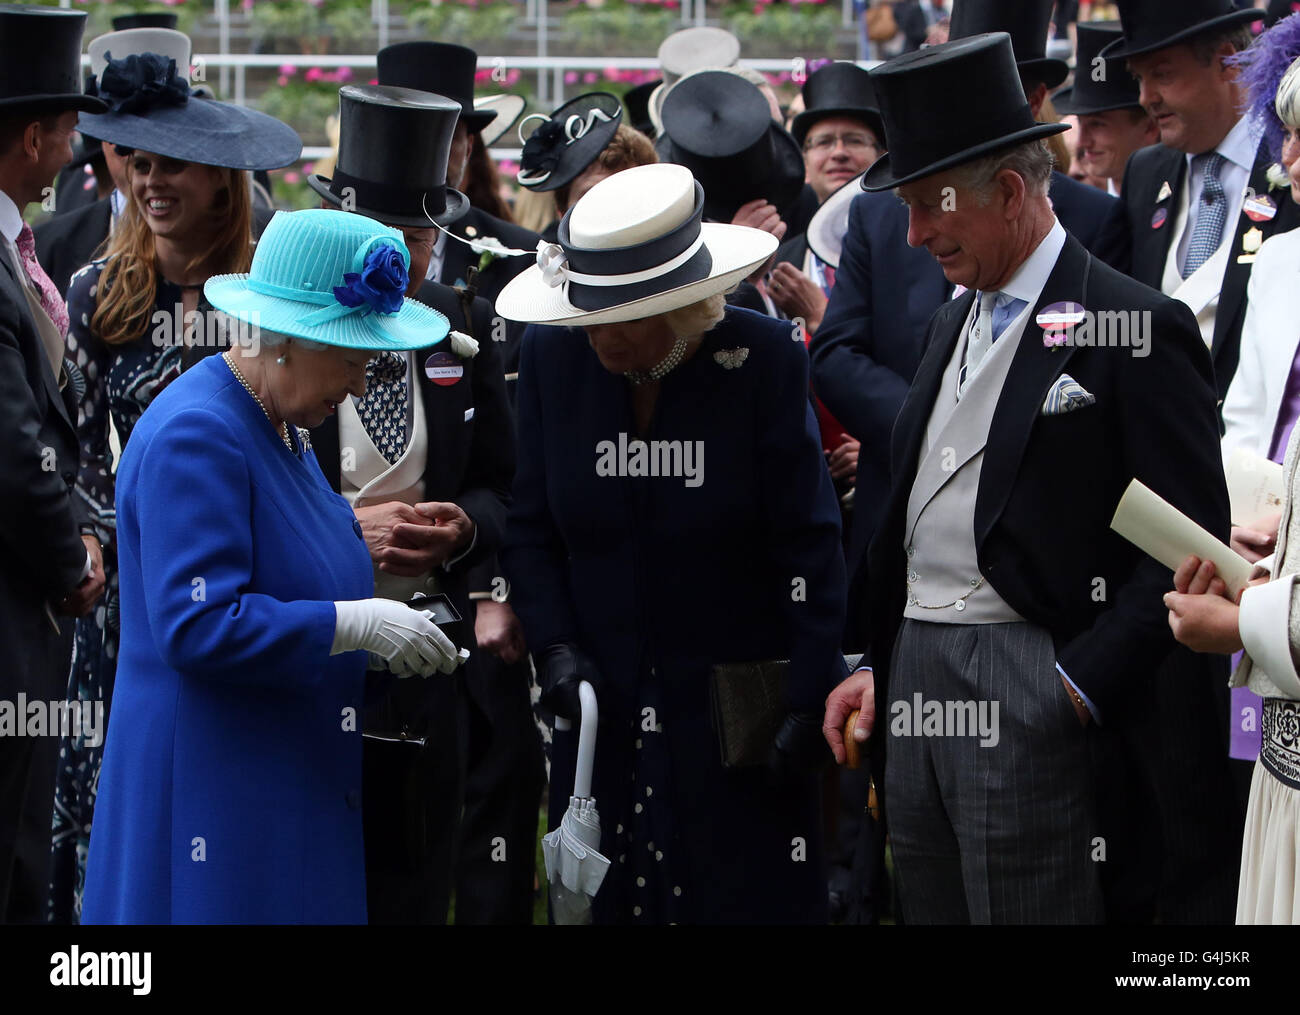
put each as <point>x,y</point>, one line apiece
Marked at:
<point>695,319</point>
<point>1032,162</point>
<point>1205,47</point>
<point>1287,103</point>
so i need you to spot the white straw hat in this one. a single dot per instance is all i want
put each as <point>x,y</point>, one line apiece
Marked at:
<point>633,246</point>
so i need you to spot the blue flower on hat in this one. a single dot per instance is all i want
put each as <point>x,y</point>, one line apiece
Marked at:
<point>141,82</point>
<point>381,283</point>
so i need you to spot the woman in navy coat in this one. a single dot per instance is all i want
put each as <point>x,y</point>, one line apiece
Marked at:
<point>231,786</point>
<point>640,577</point>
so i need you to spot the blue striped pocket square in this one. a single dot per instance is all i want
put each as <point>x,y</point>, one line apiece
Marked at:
<point>1067,395</point>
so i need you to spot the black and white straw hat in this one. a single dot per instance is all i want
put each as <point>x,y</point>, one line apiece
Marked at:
<point>633,246</point>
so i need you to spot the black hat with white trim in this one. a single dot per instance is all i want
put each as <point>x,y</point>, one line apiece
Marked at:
<point>568,141</point>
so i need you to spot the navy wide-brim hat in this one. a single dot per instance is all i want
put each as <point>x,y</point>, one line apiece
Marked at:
<point>915,92</point>
<point>202,130</point>
<point>1150,25</point>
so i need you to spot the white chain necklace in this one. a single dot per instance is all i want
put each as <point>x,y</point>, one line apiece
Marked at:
<point>284,427</point>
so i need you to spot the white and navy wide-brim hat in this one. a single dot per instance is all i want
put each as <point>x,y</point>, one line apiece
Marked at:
<point>332,277</point>
<point>635,245</point>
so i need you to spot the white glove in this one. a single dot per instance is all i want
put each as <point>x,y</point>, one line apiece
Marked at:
<point>407,640</point>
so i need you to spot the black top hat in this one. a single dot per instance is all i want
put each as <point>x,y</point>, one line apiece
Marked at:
<point>915,91</point>
<point>150,108</point>
<point>393,148</point>
<point>637,101</point>
<point>152,19</point>
<point>40,60</point>
<point>1154,24</point>
<point>720,127</point>
<point>838,89</point>
<point>438,67</point>
<point>1026,21</point>
<point>1100,84</point>
<point>568,141</point>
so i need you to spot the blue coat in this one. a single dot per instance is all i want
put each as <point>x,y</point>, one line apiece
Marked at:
<point>660,578</point>
<point>231,786</point>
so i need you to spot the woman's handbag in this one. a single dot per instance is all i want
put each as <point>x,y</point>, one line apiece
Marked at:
<point>881,24</point>
<point>748,705</point>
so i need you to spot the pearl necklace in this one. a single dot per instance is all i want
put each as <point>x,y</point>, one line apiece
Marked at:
<point>663,367</point>
<point>284,427</point>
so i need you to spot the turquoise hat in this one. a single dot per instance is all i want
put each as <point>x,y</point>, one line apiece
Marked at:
<point>332,277</point>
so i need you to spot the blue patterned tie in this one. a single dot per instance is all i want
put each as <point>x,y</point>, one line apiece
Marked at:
<point>383,407</point>
<point>1212,214</point>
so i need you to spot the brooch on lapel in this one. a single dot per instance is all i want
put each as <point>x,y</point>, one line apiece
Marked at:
<point>731,358</point>
<point>1259,209</point>
<point>1166,192</point>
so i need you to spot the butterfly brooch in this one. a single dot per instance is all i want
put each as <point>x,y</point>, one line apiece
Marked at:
<point>731,358</point>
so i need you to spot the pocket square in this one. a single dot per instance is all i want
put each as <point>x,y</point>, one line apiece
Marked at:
<point>1067,395</point>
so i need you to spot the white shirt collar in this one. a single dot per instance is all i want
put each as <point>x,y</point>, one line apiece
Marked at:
<point>1029,279</point>
<point>11,219</point>
<point>1240,145</point>
<point>117,202</point>
<point>434,271</point>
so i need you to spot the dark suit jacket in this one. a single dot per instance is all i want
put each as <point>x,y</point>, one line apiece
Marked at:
<point>793,250</point>
<point>41,552</point>
<point>68,241</point>
<point>458,256</point>
<point>1050,484</point>
<point>470,463</point>
<point>867,349</point>
<point>1147,172</point>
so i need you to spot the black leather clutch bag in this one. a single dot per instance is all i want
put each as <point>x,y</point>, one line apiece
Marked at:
<point>748,705</point>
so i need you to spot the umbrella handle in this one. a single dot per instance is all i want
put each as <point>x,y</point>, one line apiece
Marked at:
<point>586,740</point>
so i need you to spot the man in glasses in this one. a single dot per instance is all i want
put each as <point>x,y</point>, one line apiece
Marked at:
<point>841,136</point>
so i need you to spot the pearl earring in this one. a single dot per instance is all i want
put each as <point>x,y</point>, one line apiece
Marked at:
<point>281,359</point>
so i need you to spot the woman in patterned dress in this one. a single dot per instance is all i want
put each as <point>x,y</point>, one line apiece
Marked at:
<point>639,582</point>
<point>129,324</point>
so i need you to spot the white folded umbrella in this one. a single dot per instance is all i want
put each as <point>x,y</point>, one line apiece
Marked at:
<point>575,867</point>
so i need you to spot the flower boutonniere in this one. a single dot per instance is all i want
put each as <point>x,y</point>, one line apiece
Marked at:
<point>1277,177</point>
<point>462,345</point>
<point>489,248</point>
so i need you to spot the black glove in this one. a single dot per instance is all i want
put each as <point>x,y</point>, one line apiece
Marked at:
<point>799,748</point>
<point>560,669</point>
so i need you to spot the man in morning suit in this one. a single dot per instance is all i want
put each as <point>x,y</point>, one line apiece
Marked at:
<point>998,589</point>
<point>867,349</point>
<point>426,458</point>
<point>1198,206</point>
<point>50,566</point>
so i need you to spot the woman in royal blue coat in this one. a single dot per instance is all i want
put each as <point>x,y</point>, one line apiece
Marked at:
<point>231,785</point>
<point>673,511</point>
